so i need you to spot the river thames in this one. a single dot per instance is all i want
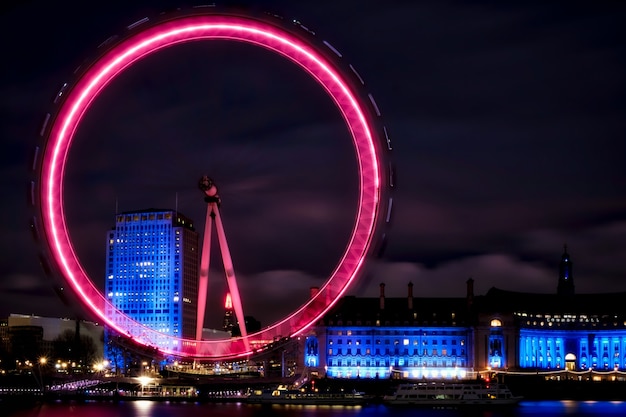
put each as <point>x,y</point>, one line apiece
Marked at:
<point>147,408</point>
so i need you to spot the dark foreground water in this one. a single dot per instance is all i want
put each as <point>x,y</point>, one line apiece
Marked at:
<point>165,409</point>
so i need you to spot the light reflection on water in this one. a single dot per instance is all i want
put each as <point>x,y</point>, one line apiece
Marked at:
<point>143,408</point>
<point>166,409</point>
<point>572,408</point>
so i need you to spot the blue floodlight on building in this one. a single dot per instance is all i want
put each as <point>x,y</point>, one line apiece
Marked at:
<point>152,271</point>
<point>573,349</point>
<point>397,337</point>
<point>552,332</point>
<point>501,331</point>
<point>409,351</point>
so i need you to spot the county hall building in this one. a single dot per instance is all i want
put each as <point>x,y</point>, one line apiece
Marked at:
<point>415,337</point>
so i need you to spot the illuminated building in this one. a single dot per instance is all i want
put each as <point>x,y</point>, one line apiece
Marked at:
<point>32,336</point>
<point>443,338</point>
<point>152,271</point>
<point>408,337</point>
<point>565,330</point>
<point>229,315</point>
<point>5,342</point>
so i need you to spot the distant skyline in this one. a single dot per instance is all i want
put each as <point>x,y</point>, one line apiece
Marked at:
<point>507,122</point>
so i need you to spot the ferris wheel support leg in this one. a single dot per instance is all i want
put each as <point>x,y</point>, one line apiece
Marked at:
<point>230,277</point>
<point>203,280</point>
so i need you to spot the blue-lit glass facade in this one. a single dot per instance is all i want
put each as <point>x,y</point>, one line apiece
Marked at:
<point>379,352</point>
<point>152,271</point>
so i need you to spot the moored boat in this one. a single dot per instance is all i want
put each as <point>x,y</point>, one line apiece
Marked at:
<point>284,395</point>
<point>445,394</point>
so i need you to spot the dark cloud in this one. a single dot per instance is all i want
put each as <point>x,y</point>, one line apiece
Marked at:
<point>507,122</point>
<point>491,270</point>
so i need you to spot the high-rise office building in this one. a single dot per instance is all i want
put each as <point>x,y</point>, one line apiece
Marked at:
<point>152,271</point>
<point>230,320</point>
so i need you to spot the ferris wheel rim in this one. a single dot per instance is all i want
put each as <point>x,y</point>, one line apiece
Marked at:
<point>208,27</point>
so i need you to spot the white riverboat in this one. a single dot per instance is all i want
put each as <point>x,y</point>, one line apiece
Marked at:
<point>446,394</point>
<point>284,395</point>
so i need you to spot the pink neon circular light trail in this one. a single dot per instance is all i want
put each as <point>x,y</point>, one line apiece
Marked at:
<point>169,33</point>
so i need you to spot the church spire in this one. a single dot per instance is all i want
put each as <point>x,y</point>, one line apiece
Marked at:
<point>566,278</point>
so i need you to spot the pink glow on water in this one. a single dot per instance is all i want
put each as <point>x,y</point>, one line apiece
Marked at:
<point>193,28</point>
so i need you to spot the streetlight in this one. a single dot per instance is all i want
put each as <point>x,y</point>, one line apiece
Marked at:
<point>42,362</point>
<point>143,381</point>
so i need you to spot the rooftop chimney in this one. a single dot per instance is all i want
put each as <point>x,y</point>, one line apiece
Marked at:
<point>382,296</point>
<point>410,296</point>
<point>470,293</point>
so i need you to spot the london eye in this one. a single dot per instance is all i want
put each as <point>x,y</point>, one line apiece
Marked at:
<point>287,39</point>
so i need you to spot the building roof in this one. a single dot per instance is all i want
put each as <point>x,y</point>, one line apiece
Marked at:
<point>148,210</point>
<point>592,304</point>
<point>351,310</point>
<point>178,219</point>
<point>602,309</point>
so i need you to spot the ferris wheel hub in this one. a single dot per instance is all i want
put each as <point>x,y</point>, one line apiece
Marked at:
<point>207,186</point>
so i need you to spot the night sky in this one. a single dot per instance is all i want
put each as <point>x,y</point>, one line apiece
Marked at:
<point>508,123</point>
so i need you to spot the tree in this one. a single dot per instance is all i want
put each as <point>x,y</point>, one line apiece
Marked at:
<point>26,342</point>
<point>68,347</point>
